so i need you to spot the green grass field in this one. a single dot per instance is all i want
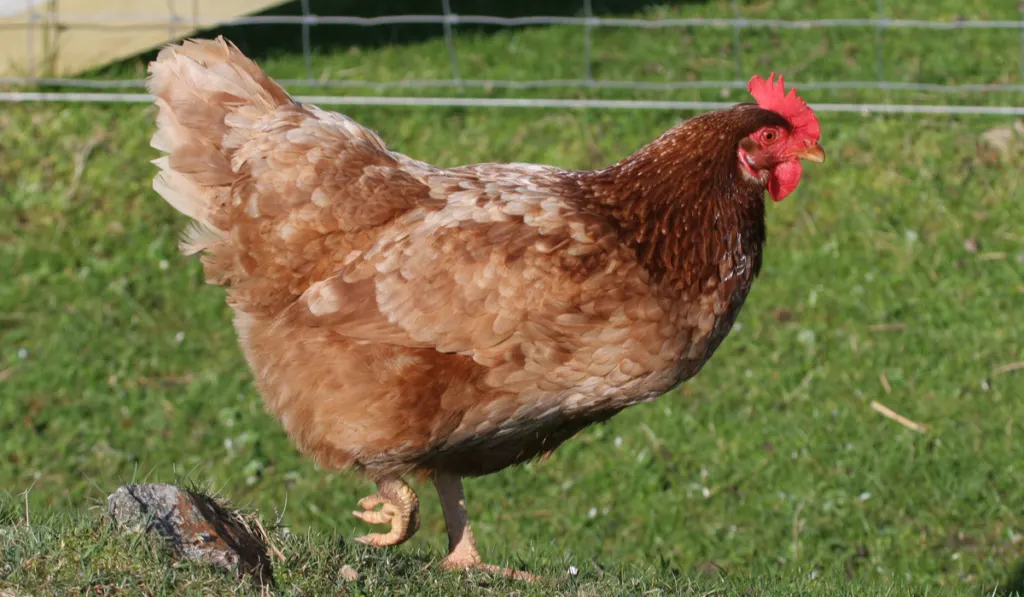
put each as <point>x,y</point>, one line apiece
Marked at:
<point>895,273</point>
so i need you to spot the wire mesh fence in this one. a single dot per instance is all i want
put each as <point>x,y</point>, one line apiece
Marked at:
<point>1002,93</point>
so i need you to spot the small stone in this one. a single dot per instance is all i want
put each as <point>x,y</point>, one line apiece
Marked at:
<point>196,527</point>
<point>348,573</point>
<point>971,245</point>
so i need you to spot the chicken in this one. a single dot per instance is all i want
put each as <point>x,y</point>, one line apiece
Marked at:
<point>403,319</point>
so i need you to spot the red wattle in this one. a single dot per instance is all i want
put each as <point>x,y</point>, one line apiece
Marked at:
<point>784,179</point>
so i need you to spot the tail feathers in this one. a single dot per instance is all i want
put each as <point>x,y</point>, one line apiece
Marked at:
<point>199,237</point>
<point>205,91</point>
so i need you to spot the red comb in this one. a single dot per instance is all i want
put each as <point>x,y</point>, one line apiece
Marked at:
<point>771,95</point>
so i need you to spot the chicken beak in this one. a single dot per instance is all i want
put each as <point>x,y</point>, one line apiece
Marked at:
<point>812,153</point>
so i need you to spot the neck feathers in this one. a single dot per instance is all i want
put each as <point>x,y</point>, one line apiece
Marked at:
<point>683,204</point>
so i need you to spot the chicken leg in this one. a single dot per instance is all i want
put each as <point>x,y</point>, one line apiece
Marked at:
<point>462,552</point>
<point>399,506</point>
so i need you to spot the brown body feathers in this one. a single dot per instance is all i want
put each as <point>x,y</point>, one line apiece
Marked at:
<point>401,317</point>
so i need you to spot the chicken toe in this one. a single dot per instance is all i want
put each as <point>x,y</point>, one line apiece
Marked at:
<point>469,562</point>
<point>399,507</point>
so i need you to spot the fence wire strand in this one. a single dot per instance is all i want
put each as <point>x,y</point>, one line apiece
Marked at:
<point>152,20</point>
<point>552,83</point>
<point>117,90</point>
<point>469,102</point>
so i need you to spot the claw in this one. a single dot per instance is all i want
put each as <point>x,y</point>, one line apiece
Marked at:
<point>371,501</point>
<point>378,540</point>
<point>399,508</point>
<point>373,517</point>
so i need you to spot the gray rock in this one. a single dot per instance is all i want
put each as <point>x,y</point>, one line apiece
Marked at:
<point>196,527</point>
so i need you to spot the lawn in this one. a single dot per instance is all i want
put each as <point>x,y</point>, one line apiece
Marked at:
<point>895,273</point>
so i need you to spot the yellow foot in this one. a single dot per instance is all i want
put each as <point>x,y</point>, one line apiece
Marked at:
<point>399,507</point>
<point>462,562</point>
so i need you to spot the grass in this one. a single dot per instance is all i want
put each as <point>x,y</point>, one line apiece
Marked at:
<point>63,555</point>
<point>895,273</point>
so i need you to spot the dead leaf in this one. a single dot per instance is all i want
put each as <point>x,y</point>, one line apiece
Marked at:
<point>999,138</point>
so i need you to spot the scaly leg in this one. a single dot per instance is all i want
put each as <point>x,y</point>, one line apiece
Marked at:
<point>399,506</point>
<point>462,553</point>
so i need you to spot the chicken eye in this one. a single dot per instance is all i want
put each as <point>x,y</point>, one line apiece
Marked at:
<point>769,136</point>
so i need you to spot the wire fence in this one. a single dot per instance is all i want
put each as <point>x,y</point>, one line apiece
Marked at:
<point>34,87</point>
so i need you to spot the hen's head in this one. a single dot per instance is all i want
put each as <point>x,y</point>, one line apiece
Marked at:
<point>772,154</point>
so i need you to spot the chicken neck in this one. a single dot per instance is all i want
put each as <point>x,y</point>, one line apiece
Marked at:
<point>682,204</point>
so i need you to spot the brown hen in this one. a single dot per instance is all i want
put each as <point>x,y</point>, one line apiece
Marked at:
<point>401,318</point>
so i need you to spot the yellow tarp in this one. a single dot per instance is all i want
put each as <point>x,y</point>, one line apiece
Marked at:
<point>46,38</point>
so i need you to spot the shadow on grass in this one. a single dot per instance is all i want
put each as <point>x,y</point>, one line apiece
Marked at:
<point>1014,586</point>
<point>265,40</point>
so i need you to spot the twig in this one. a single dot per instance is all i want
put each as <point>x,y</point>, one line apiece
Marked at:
<point>991,256</point>
<point>266,538</point>
<point>5,373</point>
<point>1007,368</point>
<point>535,514</point>
<point>887,327</point>
<point>885,383</point>
<point>888,413</point>
<point>28,520</point>
<point>655,442</point>
<point>796,530</point>
<point>80,160</point>
<point>280,515</point>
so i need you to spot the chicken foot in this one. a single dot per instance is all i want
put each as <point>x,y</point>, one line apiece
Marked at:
<point>399,506</point>
<point>462,552</point>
